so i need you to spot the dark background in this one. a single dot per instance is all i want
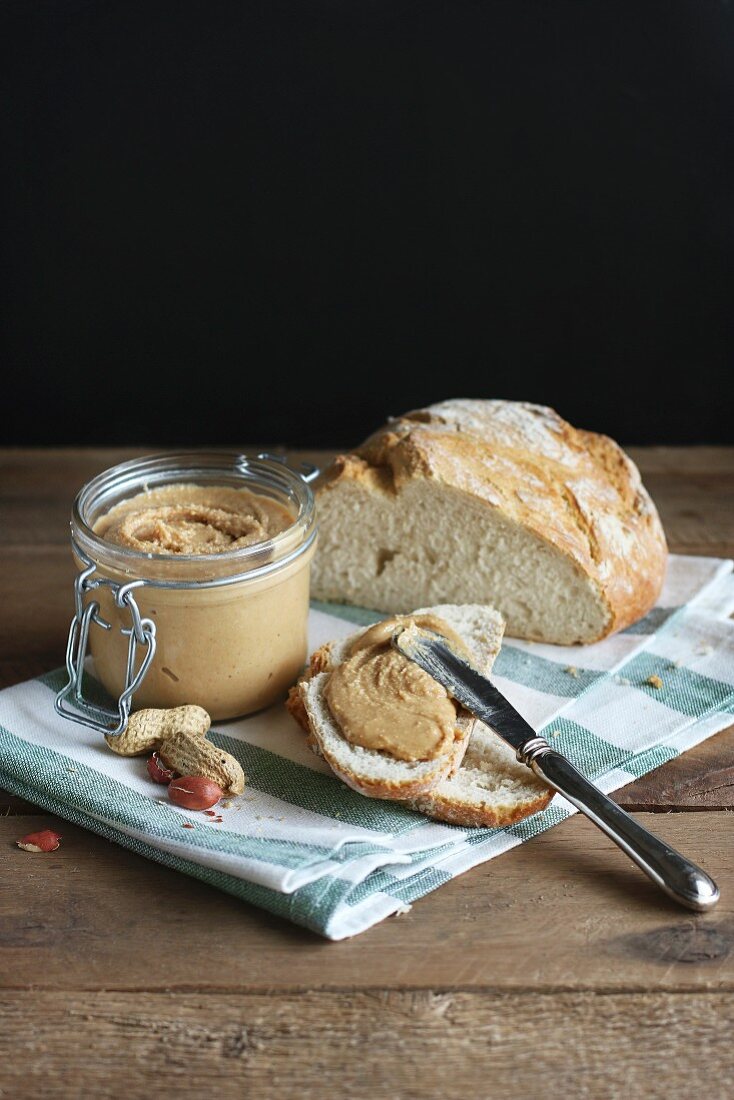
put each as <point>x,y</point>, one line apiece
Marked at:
<point>231,221</point>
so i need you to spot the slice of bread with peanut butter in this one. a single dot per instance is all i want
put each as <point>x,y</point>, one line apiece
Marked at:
<point>379,771</point>
<point>470,778</point>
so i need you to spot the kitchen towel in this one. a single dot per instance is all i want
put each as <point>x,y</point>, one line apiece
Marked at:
<point>301,844</point>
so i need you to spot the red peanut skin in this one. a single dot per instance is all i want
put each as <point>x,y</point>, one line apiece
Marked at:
<point>44,841</point>
<point>157,772</point>
<point>194,792</point>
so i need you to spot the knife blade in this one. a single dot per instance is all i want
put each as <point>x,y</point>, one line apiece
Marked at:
<point>681,879</point>
<point>463,683</point>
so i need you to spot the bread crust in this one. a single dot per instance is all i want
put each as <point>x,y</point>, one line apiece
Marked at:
<point>320,661</point>
<point>439,808</point>
<point>393,792</point>
<point>576,491</point>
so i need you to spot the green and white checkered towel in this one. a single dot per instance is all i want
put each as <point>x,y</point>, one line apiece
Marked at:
<point>301,844</point>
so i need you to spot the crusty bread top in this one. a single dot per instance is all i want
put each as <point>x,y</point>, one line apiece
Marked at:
<point>576,490</point>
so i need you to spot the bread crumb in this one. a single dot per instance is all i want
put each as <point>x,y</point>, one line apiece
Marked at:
<point>572,671</point>
<point>704,650</point>
<point>402,910</point>
<point>622,680</point>
<point>654,681</point>
<point>554,733</point>
<point>676,664</point>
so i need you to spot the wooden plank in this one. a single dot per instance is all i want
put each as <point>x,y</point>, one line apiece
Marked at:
<point>671,459</point>
<point>683,460</point>
<point>701,779</point>
<point>37,488</point>
<point>37,597</point>
<point>566,911</point>
<point>695,499</point>
<point>697,511</point>
<point>12,806</point>
<point>491,906</point>
<point>693,487</point>
<point>410,1045</point>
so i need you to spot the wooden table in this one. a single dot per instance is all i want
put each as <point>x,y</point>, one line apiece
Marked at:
<point>555,969</point>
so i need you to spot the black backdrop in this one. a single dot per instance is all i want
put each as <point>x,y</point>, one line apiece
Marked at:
<point>279,221</point>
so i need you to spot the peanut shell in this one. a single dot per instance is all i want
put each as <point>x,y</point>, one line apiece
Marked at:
<point>189,754</point>
<point>146,729</point>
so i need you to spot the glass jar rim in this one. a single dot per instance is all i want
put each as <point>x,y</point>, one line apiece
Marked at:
<point>260,473</point>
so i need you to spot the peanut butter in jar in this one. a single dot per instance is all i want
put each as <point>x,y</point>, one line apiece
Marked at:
<point>217,548</point>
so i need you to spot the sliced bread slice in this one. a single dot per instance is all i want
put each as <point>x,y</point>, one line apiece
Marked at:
<point>490,788</point>
<point>372,772</point>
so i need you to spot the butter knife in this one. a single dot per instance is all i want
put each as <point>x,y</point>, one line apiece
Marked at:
<point>677,876</point>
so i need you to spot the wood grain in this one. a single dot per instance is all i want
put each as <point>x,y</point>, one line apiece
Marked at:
<point>406,1045</point>
<point>701,779</point>
<point>564,911</point>
<point>555,967</point>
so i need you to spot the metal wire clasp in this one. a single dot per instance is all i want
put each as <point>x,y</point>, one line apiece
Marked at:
<point>70,702</point>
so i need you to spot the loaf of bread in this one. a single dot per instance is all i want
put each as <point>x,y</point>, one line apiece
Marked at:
<point>481,783</point>
<point>492,502</point>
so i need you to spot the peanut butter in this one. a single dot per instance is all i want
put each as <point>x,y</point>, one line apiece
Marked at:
<point>193,519</point>
<point>231,649</point>
<point>383,701</point>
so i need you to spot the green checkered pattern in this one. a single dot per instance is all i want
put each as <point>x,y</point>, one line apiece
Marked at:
<point>303,846</point>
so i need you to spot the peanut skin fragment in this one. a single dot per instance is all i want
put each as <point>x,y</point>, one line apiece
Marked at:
<point>189,754</point>
<point>146,729</point>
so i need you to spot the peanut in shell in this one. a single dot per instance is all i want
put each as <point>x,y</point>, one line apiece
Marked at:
<point>189,754</point>
<point>146,729</point>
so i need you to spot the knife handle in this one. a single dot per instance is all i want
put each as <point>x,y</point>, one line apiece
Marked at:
<point>672,872</point>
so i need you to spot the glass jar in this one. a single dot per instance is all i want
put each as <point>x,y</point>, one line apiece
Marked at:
<point>226,631</point>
